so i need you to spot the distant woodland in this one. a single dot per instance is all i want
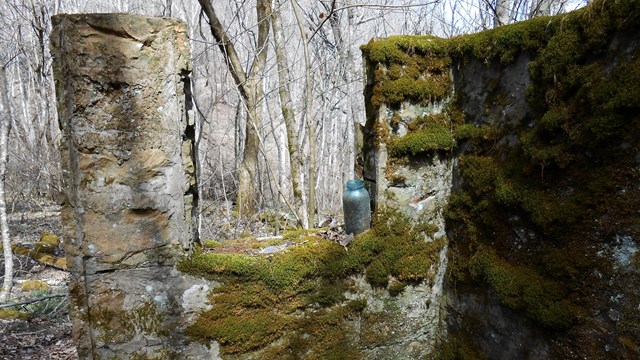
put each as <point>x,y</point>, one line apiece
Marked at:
<point>277,86</point>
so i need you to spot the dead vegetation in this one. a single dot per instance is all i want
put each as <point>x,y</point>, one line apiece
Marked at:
<point>41,329</point>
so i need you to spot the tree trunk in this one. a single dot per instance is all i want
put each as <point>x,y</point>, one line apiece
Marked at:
<point>501,16</point>
<point>307,117</point>
<point>247,198</point>
<point>346,59</point>
<point>250,88</point>
<point>541,8</point>
<point>286,106</point>
<point>5,126</point>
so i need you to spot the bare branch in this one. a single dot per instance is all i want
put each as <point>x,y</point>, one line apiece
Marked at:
<point>334,10</point>
<point>31,301</point>
<point>226,46</point>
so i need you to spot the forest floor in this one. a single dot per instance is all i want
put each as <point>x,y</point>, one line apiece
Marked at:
<point>42,330</point>
<point>39,330</point>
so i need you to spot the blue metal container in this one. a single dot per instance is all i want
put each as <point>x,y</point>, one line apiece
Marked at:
<point>356,205</point>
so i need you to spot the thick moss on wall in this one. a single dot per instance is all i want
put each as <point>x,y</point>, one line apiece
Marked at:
<point>521,287</point>
<point>534,217</point>
<point>540,206</point>
<point>417,68</point>
<point>411,69</point>
<point>293,303</point>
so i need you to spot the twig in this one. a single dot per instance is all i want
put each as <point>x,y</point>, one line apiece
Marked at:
<point>30,333</point>
<point>278,237</point>
<point>31,301</point>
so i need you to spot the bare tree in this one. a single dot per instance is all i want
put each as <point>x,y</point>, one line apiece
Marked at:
<point>307,106</point>
<point>5,126</point>
<point>249,85</point>
<point>33,162</point>
<point>286,106</point>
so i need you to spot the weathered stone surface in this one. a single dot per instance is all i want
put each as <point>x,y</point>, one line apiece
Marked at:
<point>426,180</point>
<point>131,196</point>
<point>495,96</point>
<point>411,321</point>
<point>418,187</point>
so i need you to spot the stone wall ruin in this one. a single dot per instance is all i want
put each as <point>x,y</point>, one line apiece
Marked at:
<point>129,214</point>
<point>531,132</point>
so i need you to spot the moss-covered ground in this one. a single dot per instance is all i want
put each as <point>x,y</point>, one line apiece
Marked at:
<point>292,304</point>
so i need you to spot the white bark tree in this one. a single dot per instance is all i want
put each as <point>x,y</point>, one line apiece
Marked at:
<point>5,126</point>
<point>306,110</point>
<point>502,12</point>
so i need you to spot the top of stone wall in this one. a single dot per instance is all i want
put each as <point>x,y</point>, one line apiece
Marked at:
<point>138,27</point>
<point>396,65</point>
<point>131,40</point>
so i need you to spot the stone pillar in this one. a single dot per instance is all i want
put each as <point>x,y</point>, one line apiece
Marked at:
<point>122,86</point>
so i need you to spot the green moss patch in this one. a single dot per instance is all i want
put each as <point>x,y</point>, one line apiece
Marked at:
<point>119,325</point>
<point>48,243</point>
<point>411,69</point>
<point>435,137</point>
<point>10,314</point>
<point>297,296</point>
<point>521,287</point>
<point>427,134</point>
<point>34,285</point>
<point>244,331</point>
<point>43,251</point>
<point>42,258</point>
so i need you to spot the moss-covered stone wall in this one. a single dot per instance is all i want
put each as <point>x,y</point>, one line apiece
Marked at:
<point>540,124</point>
<point>315,299</point>
<point>504,168</point>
